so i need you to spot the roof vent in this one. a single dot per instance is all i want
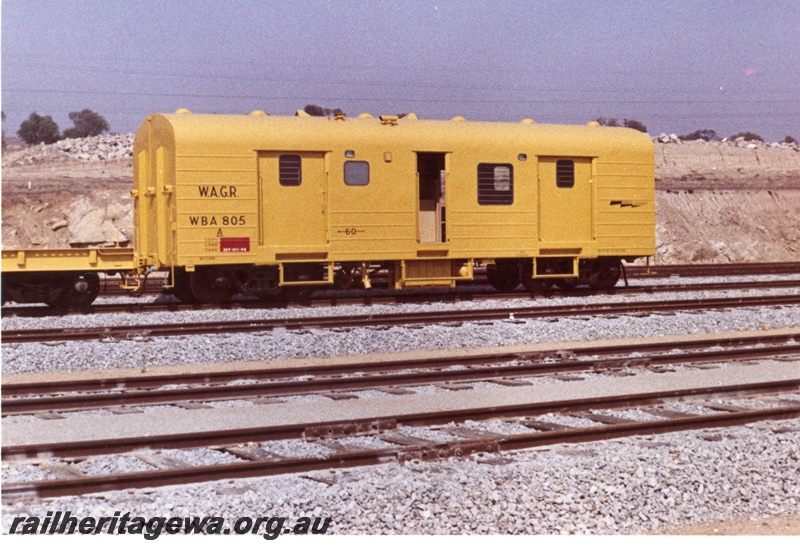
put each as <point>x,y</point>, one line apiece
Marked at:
<point>593,123</point>
<point>528,121</point>
<point>301,113</point>
<point>183,111</point>
<point>411,116</point>
<point>258,113</point>
<point>365,115</point>
<point>458,119</point>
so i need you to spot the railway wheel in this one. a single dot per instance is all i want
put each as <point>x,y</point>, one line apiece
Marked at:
<point>297,293</point>
<point>530,284</point>
<point>345,279</point>
<point>211,286</point>
<point>182,288</point>
<point>567,283</point>
<point>76,291</point>
<point>502,276</point>
<point>272,293</point>
<point>605,274</point>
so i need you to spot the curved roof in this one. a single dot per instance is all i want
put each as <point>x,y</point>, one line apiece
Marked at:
<point>264,132</point>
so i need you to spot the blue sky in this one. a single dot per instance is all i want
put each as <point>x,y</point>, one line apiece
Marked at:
<point>675,66</point>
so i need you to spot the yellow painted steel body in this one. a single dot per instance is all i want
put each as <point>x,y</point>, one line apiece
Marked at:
<point>209,191</point>
<point>252,203</point>
<point>68,259</point>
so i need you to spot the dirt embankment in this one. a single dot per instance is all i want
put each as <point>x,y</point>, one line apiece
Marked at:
<point>728,226</point>
<point>715,165</point>
<point>72,193</point>
<point>56,205</point>
<point>715,202</point>
<point>727,202</point>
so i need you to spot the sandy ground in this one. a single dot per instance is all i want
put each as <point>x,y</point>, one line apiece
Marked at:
<point>721,203</point>
<point>781,526</point>
<point>698,165</point>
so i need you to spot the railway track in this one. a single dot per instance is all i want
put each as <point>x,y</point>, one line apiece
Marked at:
<point>459,295</point>
<point>398,319</point>
<point>713,270</point>
<point>154,283</point>
<point>391,376</point>
<point>467,439</point>
<point>109,288</point>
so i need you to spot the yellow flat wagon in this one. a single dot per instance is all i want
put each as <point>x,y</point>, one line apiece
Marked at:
<point>62,277</point>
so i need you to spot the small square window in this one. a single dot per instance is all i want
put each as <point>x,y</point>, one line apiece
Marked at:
<point>356,172</point>
<point>565,173</point>
<point>495,184</point>
<point>289,170</point>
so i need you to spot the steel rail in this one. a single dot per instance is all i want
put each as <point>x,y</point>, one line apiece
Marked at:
<point>254,468</point>
<point>138,382</point>
<point>389,319</point>
<point>415,376</point>
<point>110,286</point>
<point>409,297</point>
<point>295,431</point>
<point>702,270</point>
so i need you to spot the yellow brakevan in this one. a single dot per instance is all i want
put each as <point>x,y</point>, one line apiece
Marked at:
<point>255,204</point>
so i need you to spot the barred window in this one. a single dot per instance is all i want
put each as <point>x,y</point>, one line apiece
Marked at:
<point>356,172</point>
<point>290,170</point>
<point>565,173</point>
<point>495,184</point>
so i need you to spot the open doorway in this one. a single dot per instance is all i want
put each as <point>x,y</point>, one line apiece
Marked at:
<point>432,216</point>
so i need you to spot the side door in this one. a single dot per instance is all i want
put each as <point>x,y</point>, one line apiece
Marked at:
<point>293,200</point>
<point>431,176</point>
<point>565,200</point>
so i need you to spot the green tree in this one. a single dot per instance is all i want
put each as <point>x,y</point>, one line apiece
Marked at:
<point>39,129</point>
<point>627,123</point>
<point>748,136</point>
<point>316,110</point>
<point>635,124</point>
<point>705,135</point>
<point>789,139</point>
<point>604,121</point>
<point>4,130</point>
<point>86,123</point>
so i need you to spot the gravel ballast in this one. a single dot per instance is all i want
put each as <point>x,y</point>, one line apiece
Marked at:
<point>633,485</point>
<point>147,352</point>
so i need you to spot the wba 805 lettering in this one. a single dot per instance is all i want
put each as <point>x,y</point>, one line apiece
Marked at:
<point>213,220</point>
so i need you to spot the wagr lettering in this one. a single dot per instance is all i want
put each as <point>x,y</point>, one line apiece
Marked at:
<point>224,191</point>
